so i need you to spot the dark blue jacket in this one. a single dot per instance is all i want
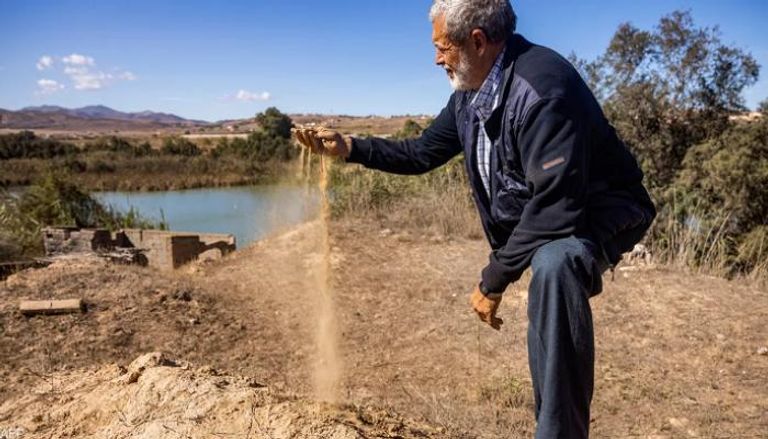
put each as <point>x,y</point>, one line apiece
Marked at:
<point>557,166</point>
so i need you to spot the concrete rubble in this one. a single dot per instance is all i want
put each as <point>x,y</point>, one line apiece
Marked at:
<point>161,249</point>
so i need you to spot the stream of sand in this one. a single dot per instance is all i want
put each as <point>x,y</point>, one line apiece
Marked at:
<point>327,362</point>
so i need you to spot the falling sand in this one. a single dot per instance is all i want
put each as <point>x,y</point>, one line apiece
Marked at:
<point>327,362</point>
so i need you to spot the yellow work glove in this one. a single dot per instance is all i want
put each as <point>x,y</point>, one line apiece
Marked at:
<point>486,307</point>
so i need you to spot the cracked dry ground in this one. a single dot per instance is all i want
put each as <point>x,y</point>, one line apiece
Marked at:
<point>676,352</point>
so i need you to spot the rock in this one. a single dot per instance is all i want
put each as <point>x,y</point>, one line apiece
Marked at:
<point>253,383</point>
<point>640,255</point>
<point>385,232</point>
<point>762,350</point>
<point>12,433</point>
<point>678,422</point>
<point>720,337</point>
<point>146,361</point>
<point>337,259</point>
<point>183,295</point>
<point>402,237</point>
<point>208,370</point>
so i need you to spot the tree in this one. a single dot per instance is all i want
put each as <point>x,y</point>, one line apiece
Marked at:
<point>410,129</point>
<point>274,123</point>
<point>763,107</point>
<point>668,89</point>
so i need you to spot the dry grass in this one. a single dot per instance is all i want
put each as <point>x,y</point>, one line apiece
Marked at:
<point>438,203</point>
<point>706,244</point>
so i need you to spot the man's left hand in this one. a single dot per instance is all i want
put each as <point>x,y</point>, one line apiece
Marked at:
<point>324,141</point>
<point>486,307</point>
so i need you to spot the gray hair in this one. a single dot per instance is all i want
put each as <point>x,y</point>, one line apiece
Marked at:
<point>494,17</point>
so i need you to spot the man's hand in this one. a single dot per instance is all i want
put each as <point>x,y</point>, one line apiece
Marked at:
<point>324,141</point>
<point>486,307</point>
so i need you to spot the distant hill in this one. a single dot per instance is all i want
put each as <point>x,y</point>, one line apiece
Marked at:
<point>94,117</point>
<point>100,118</point>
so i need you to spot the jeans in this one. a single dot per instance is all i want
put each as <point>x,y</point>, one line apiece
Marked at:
<point>561,349</point>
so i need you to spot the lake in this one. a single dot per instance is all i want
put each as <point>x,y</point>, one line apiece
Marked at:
<point>250,213</point>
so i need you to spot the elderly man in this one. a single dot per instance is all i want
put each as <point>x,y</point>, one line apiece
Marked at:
<point>556,189</point>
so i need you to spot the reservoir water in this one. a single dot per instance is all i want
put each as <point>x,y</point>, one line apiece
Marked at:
<point>250,213</point>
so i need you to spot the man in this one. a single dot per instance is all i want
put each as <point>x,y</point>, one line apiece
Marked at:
<point>556,189</point>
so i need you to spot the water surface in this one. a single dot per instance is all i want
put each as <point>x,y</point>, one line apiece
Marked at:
<point>249,212</point>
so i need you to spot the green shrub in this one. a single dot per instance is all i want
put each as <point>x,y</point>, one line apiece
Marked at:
<point>55,201</point>
<point>715,211</point>
<point>763,108</point>
<point>180,146</point>
<point>258,147</point>
<point>26,145</point>
<point>730,172</point>
<point>274,123</point>
<point>119,146</point>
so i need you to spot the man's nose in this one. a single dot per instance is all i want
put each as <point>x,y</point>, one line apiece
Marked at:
<point>439,58</point>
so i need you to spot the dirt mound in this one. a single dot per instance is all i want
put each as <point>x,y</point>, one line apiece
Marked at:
<point>130,310</point>
<point>156,397</point>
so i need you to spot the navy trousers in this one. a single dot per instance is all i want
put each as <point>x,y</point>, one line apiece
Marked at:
<point>561,349</point>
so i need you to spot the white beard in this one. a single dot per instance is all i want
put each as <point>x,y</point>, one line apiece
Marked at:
<point>460,79</point>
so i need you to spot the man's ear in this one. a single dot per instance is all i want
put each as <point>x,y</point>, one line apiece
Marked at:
<point>479,40</point>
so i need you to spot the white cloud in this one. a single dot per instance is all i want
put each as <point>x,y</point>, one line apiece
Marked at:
<point>45,62</point>
<point>82,72</point>
<point>88,80</point>
<point>71,71</point>
<point>83,78</point>
<point>78,60</point>
<point>48,86</point>
<point>127,76</point>
<point>246,96</point>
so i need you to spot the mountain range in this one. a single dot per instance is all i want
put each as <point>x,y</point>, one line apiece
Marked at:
<point>52,116</point>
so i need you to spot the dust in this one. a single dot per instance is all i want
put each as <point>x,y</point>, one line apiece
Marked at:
<point>327,363</point>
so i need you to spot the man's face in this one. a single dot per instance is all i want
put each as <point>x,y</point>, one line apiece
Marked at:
<point>455,59</point>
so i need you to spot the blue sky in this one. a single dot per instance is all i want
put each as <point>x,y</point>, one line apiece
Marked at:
<point>216,60</point>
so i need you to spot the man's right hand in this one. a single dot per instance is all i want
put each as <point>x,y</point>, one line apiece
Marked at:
<point>486,306</point>
<point>324,141</point>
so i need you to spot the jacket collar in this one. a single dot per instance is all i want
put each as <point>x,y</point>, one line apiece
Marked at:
<point>515,45</point>
<point>483,100</point>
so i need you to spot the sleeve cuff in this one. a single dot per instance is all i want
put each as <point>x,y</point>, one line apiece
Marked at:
<point>496,279</point>
<point>361,152</point>
<point>488,294</point>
